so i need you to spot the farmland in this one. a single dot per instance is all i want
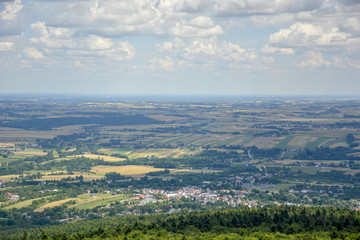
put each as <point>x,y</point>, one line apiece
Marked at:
<point>83,159</point>
<point>125,170</point>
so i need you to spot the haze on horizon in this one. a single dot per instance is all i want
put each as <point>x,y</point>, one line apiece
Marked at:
<point>236,47</point>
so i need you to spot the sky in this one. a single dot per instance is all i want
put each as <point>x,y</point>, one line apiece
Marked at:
<point>227,47</point>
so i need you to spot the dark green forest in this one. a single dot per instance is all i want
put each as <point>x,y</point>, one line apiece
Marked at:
<point>266,223</point>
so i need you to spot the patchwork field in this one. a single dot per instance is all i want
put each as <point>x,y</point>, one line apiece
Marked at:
<point>29,152</point>
<point>21,204</point>
<point>86,176</point>
<point>53,204</point>
<point>84,201</point>
<point>142,153</point>
<point>128,170</point>
<point>7,178</point>
<point>104,157</point>
<point>4,145</point>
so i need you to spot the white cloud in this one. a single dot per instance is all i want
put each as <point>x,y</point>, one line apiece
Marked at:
<point>191,6</point>
<point>33,53</point>
<point>128,17</point>
<point>122,52</point>
<point>233,52</point>
<point>6,46</point>
<point>166,64</point>
<point>98,43</point>
<point>337,62</point>
<point>11,10</point>
<point>78,63</point>
<point>202,22</point>
<point>352,25</point>
<point>55,39</point>
<point>205,37</point>
<point>309,35</point>
<point>268,49</point>
<point>313,60</point>
<point>259,7</point>
<point>268,20</point>
<point>354,63</point>
<point>170,46</point>
<point>201,47</point>
<point>202,54</point>
<point>52,37</point>
<point>183,30</point>
<point>212,48</point>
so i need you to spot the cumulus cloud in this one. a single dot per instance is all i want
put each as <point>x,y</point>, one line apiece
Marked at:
<point>54,38</point>
<point>166,64</point>
<point>205,48</point>
<point>268,20</point>
<point>191,6</point>
<point>307,34</point>
<point>123,51</point>
<point>259,7</point>
<point>33,53</point>
<point>11,10</point>
<point>354,63</point>
<point>98,43</point>
<point>347,62</point>
<point>119,18</point>
<point>352,25</point>
<point>6,46</point>
<point>202,54</point>
<point>197,27</point>
<point>268,49</point>
<point>191,35</point>
<point>10,18</point>
<point>202,22</point>
<point>313,60</point>
<point>170,46</point>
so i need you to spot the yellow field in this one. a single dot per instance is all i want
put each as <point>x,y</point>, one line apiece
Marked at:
<point>340,144</point>
<point>345,170</point>
<point>107,150</point>
<point>30,152</point>
<point>142,153</point>
<point>87,176</point>
<point>160,153</point>
<point>53,204</point>
<point>2,145</point>
<point>176,171</point>
<point>301,141</point>
<point>7,178</point>
<point>84,201</point>
<point>105,158</point>
<point>127,170</point>
<point>11,134</point>
<point>22,204</point>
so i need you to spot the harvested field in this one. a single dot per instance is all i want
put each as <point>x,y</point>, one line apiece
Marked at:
<point>87,176</point>
<point>53,204</point>
<point>104,157</point>
<point>7,178</point>
<point>128,170</point>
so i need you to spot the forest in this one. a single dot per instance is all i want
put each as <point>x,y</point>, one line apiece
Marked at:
<point>265,223</point>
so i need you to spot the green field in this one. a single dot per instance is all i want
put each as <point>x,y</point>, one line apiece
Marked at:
<point>85,201</point>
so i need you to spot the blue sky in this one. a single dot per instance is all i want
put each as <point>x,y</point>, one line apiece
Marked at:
<point>241,47</point>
